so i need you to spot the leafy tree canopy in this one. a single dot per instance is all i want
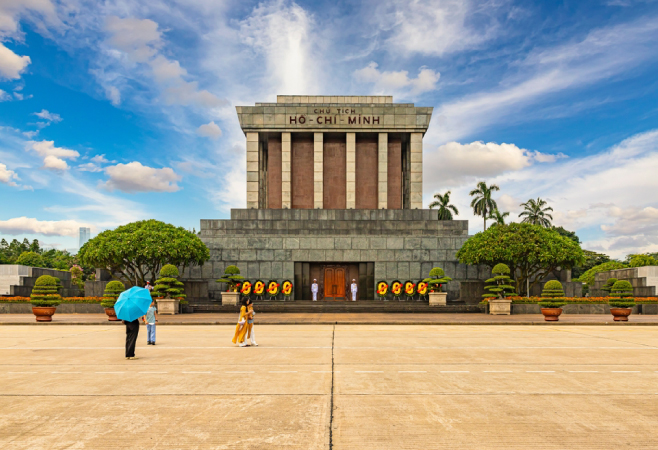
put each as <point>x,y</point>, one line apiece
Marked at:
<point>442,202</point>
<point>531,251</point>
<point>641,260</point>
<point>592,259</point>
<point>51,258</point>
<point>588,276</point>
<point>136,252</point>
<point>566,233</point>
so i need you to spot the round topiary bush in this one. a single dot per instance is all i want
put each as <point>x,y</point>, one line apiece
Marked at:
<point>112,292</point>
<point>169,271</point>
<point>45,291</point>
<point>232,270</point>
<point>231,277</point>
<point>500,269</point>
<point>622,291</point>
<point>552,289</point>
<point>437,272</point>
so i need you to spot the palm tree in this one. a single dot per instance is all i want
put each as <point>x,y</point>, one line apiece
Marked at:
<point>536,212</point>
<point>483,204</point>
<point>443,203</point>
<point>498,217</point>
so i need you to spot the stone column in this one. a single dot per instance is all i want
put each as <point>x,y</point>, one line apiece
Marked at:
<point>416,170</point>
<point>318,159</point>
<point>350,171</point>
<point>286,199</point>
<point>252,170</point>
<point>382,175</point>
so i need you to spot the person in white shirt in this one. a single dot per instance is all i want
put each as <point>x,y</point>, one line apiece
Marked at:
<point>314,290</point>
<point>355,289</point>
<point>148,286</point>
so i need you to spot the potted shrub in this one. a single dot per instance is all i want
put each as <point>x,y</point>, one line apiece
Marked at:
<point>231,277</point>
<point>622,304</point>
<point>382,289</point>
<point>499,286</point>
<point>45,298</point>
<point>273,289</point>
<point>396,289</point>
<point>112,291</point>
<point>286,289</point>
<point>435,284</point>
<point>552,301</point>
<point>409,290</point>
<point>168,291</point>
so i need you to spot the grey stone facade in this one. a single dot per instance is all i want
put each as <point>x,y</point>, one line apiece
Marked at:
<point>402,244</point>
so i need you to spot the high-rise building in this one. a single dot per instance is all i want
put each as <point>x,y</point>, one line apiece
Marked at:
<point>85,235</point>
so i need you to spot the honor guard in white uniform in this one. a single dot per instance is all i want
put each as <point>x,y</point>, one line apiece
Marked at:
<point>314,290</point>
<point>354,289</point>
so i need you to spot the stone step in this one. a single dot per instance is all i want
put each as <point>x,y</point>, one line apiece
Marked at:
<point>340,307</point>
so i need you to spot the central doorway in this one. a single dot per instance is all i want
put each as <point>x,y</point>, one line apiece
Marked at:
<point>334,283</point>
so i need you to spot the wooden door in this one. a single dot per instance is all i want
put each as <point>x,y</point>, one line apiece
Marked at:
<point>334,283</point>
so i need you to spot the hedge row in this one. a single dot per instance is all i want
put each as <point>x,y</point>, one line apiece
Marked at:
<point>580,300</point>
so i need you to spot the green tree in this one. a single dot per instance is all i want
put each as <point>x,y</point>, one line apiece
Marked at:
<point>530,251</point>
<point>498,217</point>
<point>641,260</point>
<point>592,259</point>
<point>30,259</point>
<point>482,202</point>
<point>566,233</point>
<point>536,213</point>
<point>445,208</point>
<point>589,276</point>
<point>136,252</point>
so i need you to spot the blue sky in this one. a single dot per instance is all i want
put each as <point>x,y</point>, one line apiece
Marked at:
<point>124,110</point>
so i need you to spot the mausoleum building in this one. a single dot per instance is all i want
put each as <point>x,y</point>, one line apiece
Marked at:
<point>334,193</point>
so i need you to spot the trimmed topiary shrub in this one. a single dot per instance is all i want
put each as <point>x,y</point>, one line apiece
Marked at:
<point>231,277</point>
<point>608,285</point>
<point>500,284</point>
<point>622,291</point>
<point>112,291</point>
<point>437,279</point>
<point>167,286</point>
<point>45,292</point>
<point>552,289</point>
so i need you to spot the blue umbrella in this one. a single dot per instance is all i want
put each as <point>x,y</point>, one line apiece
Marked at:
<point>133,303</point>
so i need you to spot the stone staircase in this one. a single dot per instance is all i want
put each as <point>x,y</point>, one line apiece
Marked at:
<point>643,279</point>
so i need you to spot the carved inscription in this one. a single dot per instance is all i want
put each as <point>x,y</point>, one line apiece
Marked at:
<point>333,116</point>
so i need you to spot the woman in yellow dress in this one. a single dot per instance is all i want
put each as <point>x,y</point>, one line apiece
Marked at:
<point>251,336</point>
<point>241,327</point>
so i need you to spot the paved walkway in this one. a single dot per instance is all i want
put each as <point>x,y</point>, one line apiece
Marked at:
<point>339,387</point>
<point>344,318</point>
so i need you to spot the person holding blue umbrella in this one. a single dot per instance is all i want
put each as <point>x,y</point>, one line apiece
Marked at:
<point>131,305</point>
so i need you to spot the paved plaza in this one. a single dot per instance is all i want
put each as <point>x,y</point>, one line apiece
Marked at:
<point>391,387</point>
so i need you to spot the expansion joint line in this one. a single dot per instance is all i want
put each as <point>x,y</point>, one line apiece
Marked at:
<point>331,401</point>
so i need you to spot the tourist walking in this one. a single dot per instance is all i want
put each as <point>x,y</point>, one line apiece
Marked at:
<point>251,336</point>
<point>132,330</point>
<point>241,327</point>
<point>314,290</point>
<point>150,319</point>
<point>354,289</point>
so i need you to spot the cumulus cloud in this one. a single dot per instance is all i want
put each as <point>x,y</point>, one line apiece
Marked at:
<point>53,157</point>
<point>11,64</point>
<point>46,115</point>
<point>141,41</point>
<point>7,176</point>
<point>461,163</point>
<point>25,225</point>
<point>386,82</point>
<point>134,177</point>
<point>210,130</point>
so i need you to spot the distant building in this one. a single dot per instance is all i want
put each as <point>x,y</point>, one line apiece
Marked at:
<point>85,235</point>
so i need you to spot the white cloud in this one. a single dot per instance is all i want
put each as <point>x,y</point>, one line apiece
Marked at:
<point>388,82</point>
<point>210,130</point>
<point>602,54</point>
<point>435,27</point>
<point>34,10</point>
<point>4,97</point>
<point>462,163</point>
<point>46,115</point>
<point>141,41</point>
<point>134,177</point>
<point>283,34</point>
<point>25,225</point>
<point>100,159</point>
<point>53,157</point>
<point>11,64</point>
<point>89,167</point>
<point>7,176</point>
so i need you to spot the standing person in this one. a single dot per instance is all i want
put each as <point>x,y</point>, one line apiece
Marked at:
<point>314,290</point>
<point>132,330</point>
<point>150,320</point>
<point>250,323</point>
<point>354,289</point>
<point>148,286</point>
<point>241,327</point>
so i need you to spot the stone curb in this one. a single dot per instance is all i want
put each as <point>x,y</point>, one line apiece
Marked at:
<point>611,323</point>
